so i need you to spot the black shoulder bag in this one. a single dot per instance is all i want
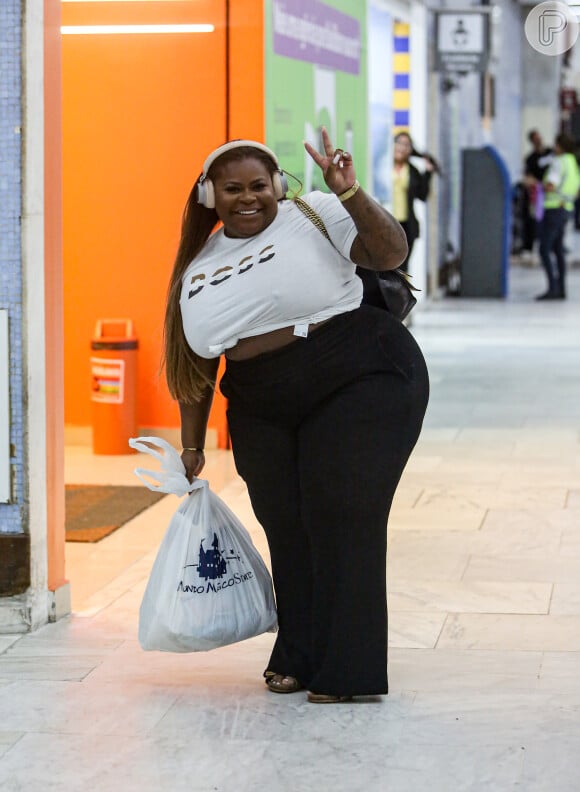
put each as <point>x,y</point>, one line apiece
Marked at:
<point>391,290</point>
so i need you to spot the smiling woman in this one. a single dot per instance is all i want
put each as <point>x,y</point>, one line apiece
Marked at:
<point>325,397</point>
<point>244,197</point>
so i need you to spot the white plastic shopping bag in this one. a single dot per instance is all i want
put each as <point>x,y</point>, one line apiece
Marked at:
<point>208,586</point>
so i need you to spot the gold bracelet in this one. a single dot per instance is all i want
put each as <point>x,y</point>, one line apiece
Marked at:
<point>349,193</point>
<point>192,449</point>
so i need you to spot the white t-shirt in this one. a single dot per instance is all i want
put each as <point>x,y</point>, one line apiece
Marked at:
<point>287,275</point>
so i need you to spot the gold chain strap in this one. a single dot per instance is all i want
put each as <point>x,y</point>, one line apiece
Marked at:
<point>314,218</point>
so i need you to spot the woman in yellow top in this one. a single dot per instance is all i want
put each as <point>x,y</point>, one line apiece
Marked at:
<point>409,183</point>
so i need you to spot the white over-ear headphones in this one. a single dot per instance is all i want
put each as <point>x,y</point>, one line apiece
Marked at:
<point>205,189</point>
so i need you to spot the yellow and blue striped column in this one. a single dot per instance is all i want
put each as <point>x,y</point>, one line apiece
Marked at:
<point>402,77</point>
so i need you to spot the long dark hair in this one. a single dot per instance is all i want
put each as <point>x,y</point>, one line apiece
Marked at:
<point>185,380</point>
<point>422,154</point>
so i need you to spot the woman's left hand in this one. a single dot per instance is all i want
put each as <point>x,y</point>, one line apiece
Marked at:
<point>336,165</point>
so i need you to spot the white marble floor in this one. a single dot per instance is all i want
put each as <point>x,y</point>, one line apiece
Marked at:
<point>484,580</point>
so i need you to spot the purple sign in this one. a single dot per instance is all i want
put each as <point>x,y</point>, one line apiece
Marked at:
<point>312,31</point>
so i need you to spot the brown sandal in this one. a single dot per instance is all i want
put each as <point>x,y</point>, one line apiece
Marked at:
<point>278,683</point>
<point>322,698</point>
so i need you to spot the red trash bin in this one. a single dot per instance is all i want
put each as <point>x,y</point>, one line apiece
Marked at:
<point>114,386</point>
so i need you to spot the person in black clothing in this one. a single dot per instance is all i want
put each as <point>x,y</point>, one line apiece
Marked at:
<point>535,166</point>
<point>326,396</point>
<point>539,159</point>
<point>409,183</point>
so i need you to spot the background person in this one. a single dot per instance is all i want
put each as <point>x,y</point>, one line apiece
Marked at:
<point>326,397</point>
<point>561,184</point>
<point>536,164</point>
<point>409,183</point>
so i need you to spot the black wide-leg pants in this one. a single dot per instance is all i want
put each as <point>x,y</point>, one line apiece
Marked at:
<point>321,430</point>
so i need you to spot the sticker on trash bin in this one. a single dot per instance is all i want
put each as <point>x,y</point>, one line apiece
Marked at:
<point>107,380</point>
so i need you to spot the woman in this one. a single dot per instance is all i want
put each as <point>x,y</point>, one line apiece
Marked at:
<point>325,398</point>
<point>408,184</point>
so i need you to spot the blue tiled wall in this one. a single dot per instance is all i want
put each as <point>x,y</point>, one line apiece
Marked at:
<point>12,515</point>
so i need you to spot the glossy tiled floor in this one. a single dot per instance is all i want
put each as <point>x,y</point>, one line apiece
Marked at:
<point>484,580</point>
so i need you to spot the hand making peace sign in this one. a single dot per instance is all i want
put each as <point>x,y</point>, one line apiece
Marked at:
<point>336,165</point>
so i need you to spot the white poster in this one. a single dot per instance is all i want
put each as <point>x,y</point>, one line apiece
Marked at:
<point>380,66</point>
<point>461,33</point>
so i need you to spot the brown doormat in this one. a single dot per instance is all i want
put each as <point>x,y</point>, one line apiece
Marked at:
<point>93,511</point>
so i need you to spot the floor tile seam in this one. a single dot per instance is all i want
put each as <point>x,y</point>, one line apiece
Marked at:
<point>418,497</point>
<point>76,731</point>
<point>64,679</point>
<point>323,740</point>
<point>559,620</point>
<point>114,580</point>
<point>13,745</point>
<point>541,671</point>
<point>496,698</point>
<point>429,584</point>
<point>456,654</point>
<point>51,660</point>
<point>78,611</point>
<point>552,592</point>
<point>433,610</point>
<point>83,677</point>
<point>483,519</point>
<point>175,703</point>
<point>10,646</point>
<point>513,556</point>
<point>34,639</point>
<point>475,491</point>
<point>501,614</point>
<point>441,631</point>
<point>468,559</point>
<point>174,692</point>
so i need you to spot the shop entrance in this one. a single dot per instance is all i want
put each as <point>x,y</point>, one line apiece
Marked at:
<point>138,112</point>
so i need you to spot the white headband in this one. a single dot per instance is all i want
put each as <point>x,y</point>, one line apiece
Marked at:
<point>233,145</point>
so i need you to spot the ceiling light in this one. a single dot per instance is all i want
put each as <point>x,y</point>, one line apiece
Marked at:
<point>116,1</point>
<point>92,30</point>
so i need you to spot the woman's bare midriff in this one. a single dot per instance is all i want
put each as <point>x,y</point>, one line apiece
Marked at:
<point>247,348</point>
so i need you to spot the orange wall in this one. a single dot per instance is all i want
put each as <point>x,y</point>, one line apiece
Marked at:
<point>247,76</point>
<point>140,114</point>
<point>53,295</point>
